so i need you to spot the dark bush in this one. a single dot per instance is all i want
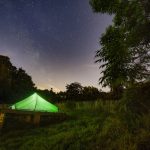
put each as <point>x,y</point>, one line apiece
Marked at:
<point>137,98</point>
<point>144,144</point>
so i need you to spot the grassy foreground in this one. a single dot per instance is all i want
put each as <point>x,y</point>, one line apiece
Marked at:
<point>93,125</point>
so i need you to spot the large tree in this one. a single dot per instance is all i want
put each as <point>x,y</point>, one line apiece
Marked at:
<point>15,83</point>
<point>126,43</point>
<point>114,58</point>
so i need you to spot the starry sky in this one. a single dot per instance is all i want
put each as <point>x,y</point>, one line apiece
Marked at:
<point>53,40</point>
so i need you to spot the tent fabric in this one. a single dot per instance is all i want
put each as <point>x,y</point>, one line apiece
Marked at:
<point>35,103</point>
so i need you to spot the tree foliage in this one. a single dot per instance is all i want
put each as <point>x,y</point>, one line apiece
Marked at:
<point>125,52</point>
<point>137,99</point>
<point>114,57</point>
<point>76,92</point>
<point>90,93</point>
<point>5,77</point>
<point>73,91</point>
<point>15,83</point>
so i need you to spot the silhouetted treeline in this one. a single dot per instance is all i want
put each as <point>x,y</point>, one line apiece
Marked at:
<point>16,84</point>
<point>75,92</point>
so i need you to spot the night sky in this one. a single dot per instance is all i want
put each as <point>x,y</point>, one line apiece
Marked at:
<point>53,40</point>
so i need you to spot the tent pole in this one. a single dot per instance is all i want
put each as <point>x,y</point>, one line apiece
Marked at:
<point>35,103</point>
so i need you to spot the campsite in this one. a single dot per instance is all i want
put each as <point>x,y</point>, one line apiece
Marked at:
<point>75,75</point>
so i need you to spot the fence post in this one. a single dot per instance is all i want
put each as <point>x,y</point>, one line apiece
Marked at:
<point>36,119</point>
<point>2,115</point>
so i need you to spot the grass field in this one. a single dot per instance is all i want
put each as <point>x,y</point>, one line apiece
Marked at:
<point>91,126</point>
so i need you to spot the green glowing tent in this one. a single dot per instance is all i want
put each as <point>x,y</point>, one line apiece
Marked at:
<point>35,103</point>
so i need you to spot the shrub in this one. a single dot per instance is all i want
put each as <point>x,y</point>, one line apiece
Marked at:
<point>137,99</point>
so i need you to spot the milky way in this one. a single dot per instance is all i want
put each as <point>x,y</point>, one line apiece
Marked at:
<point>53,40</point>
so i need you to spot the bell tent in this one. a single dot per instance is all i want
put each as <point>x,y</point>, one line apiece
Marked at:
<point>35,103</point>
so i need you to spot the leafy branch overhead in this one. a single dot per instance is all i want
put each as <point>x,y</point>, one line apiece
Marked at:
<point>124,55</point>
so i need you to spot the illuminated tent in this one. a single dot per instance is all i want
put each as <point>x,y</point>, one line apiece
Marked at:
<point>35,103</point>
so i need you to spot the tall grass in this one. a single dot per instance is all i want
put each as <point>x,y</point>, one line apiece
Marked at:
<point>96,105</point>
<point>94,125</point>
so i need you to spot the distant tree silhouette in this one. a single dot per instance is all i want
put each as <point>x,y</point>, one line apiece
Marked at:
<point>76,92</point>
<point>15,84</point>
<point>73,91</point>
<point>61,96</point>
<point>49,95</point>
<point>90,93</point>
